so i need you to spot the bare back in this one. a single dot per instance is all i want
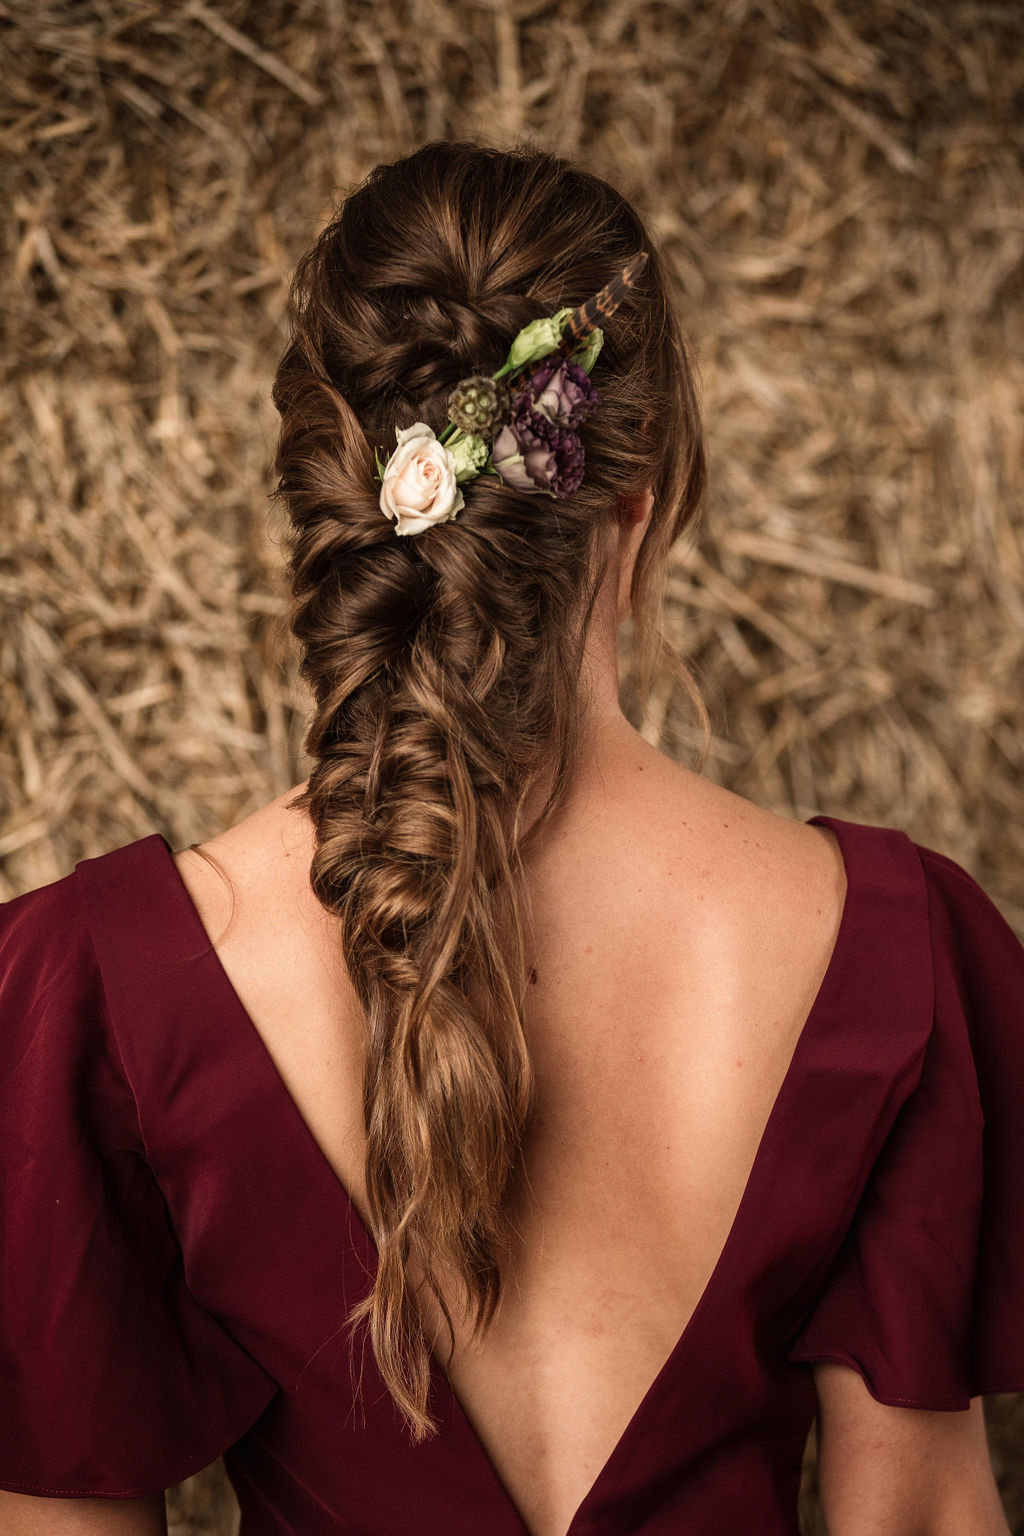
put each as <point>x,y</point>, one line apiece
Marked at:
<point>679,937</point>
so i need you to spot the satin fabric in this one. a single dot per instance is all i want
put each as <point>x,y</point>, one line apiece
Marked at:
<point>178,1256</point>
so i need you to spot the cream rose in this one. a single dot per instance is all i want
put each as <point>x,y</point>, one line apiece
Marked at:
<point>418,487</point>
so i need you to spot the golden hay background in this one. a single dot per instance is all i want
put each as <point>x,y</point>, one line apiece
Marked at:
<point>839,191</point>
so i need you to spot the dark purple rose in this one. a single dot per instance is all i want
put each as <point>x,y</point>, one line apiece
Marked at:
<point>533,453</point>
<point>562,390</point>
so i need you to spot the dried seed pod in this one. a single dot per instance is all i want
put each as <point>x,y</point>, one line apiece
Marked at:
<point>478,405</point>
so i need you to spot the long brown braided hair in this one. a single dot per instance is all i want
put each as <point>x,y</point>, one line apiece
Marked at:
<point>445,668</point>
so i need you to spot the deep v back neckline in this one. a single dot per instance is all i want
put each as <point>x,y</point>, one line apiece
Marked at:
<point>760,1178</point>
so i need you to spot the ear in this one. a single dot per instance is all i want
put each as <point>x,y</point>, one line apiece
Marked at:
<point>634,517</point>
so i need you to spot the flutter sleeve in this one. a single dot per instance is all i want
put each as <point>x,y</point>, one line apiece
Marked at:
<point>113,1381</point>
<point>925,1297</point>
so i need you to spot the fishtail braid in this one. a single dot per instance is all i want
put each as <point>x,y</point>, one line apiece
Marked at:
<point>445,669</point>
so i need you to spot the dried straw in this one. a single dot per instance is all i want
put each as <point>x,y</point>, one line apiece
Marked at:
<point>839,192</point>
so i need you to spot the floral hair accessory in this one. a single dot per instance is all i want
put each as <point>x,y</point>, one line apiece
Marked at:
<point>419,486</point>
<point>519,423</point>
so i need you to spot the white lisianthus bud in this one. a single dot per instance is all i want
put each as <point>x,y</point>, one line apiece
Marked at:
<point>418,487</point>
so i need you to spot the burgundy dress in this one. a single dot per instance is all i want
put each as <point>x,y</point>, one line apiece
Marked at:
<point>178,1256</point>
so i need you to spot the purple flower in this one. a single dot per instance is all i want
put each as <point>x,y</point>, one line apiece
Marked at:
<point>534,453</point>
<point>562,390</point>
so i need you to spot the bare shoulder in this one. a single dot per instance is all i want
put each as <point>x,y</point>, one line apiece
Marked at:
<point>250,886</point>
<point>643,810</point>
<point>747,849</point>
<point>259,867</point>
<point>281,953</point>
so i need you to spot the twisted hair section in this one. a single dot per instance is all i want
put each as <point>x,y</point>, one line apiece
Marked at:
<point>446,668</point>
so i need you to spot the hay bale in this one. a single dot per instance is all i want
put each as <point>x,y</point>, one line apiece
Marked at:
<point>838,191</point>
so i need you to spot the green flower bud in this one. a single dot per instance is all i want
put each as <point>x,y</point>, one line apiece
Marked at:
<point>536,340</point>
<point>468,456</point>
<point>586,354</point>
